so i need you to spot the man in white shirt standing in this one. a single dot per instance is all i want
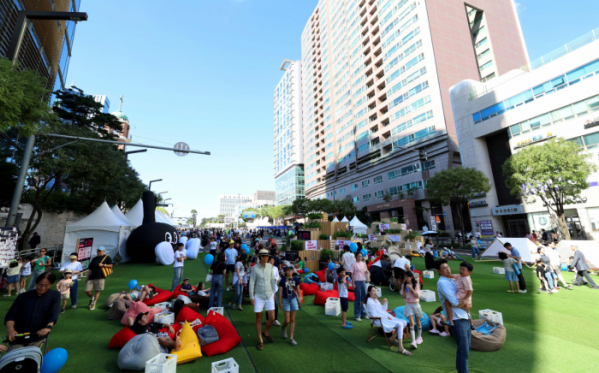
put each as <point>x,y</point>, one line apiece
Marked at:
<point>262,294</point>
<point>230,258</point>
<point>180,257</point>
<point>347,260</point>
<point>400,267</point>
<point>76,269</point>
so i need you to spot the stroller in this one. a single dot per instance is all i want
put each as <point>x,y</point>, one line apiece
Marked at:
<point>26,359</point>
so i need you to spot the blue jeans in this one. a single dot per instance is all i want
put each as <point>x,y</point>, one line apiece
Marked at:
<point>34,275</point>
<point>74,292</point>
<point>238,297</point>
<point>549,280</point>
<point>475,252</point>
<point>462,335</point>
<point>216,290</point>
<point>177,278</point>
<point>360,293</point>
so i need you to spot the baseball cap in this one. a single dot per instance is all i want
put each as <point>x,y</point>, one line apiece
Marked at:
<point>288,267</point>
<point>101,248</point>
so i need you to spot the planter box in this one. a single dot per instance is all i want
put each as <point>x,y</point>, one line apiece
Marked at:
<point>499,270</point>
<point>315,234</point>
<point>427,296</point>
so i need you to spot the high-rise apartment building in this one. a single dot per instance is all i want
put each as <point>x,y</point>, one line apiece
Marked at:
<point>47,45</point>
<point>288,132</point>
<point>227,206</point>
<point>375,90</point>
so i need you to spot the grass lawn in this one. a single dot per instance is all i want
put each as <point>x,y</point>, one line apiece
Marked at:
<point>545,333</point>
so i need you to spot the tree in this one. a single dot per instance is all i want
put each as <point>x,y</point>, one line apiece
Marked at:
<point>220,218</point>
<point>556,172</point>
<point>194,216</point>
<point>457,185</point>
<point>23,99</point>
<point>344,207</point>
<point>300,206</point>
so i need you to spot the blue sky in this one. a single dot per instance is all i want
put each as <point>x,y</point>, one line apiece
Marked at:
<point>204,72</point>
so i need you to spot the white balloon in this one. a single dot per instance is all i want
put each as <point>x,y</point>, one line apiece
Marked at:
<point>164,253</point>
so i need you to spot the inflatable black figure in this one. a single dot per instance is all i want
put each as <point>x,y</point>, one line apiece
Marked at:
<point>143,239</point>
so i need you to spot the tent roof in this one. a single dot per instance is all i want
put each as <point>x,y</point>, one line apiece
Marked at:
<point>136,214</point>
<point>162,218</point>
<point>335,220</point>
<point>526,248</point>
<point>590,249</point>
<point>355,222</point>
<point>344,220</point>
<point>117,211</point>
<point>103,219</point>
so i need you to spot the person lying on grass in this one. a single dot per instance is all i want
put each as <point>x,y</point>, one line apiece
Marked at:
<point>139,294</point>
<point>140,325</point>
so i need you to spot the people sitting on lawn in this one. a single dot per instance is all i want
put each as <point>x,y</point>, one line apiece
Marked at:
<point>389,323</point>
<point>439,320</point>
<point>186,287</point>
<point>139,294</point>
<point>331,274</point>
<point>141,325</point>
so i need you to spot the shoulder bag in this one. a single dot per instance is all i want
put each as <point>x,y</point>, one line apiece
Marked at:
<point>105,270</point>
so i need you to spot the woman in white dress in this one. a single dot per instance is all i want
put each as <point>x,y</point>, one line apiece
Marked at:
<point>390,324</point>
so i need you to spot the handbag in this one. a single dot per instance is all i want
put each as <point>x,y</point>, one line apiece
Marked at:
<point>105,270</point>
<point>207,334</point>
<point>208,278</point>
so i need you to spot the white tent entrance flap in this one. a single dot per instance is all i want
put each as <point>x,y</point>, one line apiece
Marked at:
<point>103,226</point>
<point>358,226</point>
<point>526,248</point>
<point>590,249</point>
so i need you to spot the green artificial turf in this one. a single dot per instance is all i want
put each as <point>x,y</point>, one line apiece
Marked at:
<point>545,333</point>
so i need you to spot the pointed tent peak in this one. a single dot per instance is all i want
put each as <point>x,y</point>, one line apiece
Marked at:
<point>335,220</point>
<point>119,214</point>
<point>163,218</point>
<point>101,219</point>
<point>355,222</point>
<point>136,214</point>
<point>344,220</point>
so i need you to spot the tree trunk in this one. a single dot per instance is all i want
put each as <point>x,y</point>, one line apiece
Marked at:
<point>562,227</point>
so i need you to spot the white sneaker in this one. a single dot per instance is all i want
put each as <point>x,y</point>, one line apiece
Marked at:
<point>523,291</point>
<point>75,306</point>
<point>414,344</point>
<point>276,323</point>
<point>358,319</point>
<point>443,334</point>
<point>555,291</point>
<point>433,331</point>
<point>228,289</point>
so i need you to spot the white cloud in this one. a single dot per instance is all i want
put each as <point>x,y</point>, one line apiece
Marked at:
<point>519,7</point>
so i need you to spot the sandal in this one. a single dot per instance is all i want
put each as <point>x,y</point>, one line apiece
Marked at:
<point>405,352</point>
<point>260,346</point>
<point>269,338</point>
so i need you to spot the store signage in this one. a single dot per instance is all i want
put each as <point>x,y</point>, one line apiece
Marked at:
<point>570,202</point>
<point>535,139</point>
<point>312,245</point>
<point>371,237</point>
<point>591,123</point>
<point>486,227</point>
<point>383,227</point>
<point>383,206</point>
<point>508,210</point>
<point>303,235</point>
<point>475,204</point>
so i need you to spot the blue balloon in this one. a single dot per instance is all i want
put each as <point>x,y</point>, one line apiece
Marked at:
<point>331,266</point>
<point>564,267</point>
<point>209,259</point>
<point>247,251</point>
<point>132,284</point>
<point>244,246</point>
<point>54,360</point>
<point>353,247</point>
<point>364,253</point>
<point>306,270</point>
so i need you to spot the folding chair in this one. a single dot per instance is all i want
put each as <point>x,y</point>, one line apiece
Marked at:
<point>379,328</point>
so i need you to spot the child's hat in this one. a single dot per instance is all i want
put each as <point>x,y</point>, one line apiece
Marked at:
<point>68,271</point>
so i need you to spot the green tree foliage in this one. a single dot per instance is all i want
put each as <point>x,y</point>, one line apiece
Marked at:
<point>79,176</point>
<point>23,100</point>
<point>457,185</point>
<point>556,172</point>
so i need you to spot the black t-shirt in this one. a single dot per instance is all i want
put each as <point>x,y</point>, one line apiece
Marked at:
<point>289,287</point>
<point>95,272</point>
<point>153,328</point>
<point>541,269</point>
<point>218,268</point>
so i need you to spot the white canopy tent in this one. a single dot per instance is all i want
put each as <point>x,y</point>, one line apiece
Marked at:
<point>590,249</point>
<point>526,248</point>
<point>358,226</point>
<point>119,214</point>
<point>344,220</point>
<point>136,214</point>
<point>162,218</point>
<point>335,220</point>
<point>103,227</point>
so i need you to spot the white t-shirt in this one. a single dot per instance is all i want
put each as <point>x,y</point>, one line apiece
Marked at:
<point>275,272</point>
<point>212,245</point>
<point>401,263</point>
<point>348,259</point>
<point>239,266</point>
<point>179,254</point>
<point>26,270</point>
<point>202,293</point>
<point>554,256</point>
<point>342,288</point>
<point>73,267</point>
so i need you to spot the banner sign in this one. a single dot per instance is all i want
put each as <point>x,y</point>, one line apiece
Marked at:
<point>84,251</point>
<point>8,245</point>
<point>312,245</point>
<point>303,235</point>
<point>404,227</point>
<point>371,237</point>
<point>394,238</point>
<point>249,215</point>
<point>383,227</point>
<point>342,243</point>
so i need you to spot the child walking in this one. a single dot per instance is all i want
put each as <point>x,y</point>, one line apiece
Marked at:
<point>64,287</point>
<point>510,275</point>
<point>464,295</point>
<point>25,273</point>
<point>342,278</point>
<point>289,302</point>
<point>14,269</point>
<point>410,291</point>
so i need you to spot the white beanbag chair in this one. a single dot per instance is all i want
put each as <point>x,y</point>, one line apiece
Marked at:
<point>183,240</point>
<point>185,299</point>
<point>192,248</point>
<point>164,253</point>
<point>137,351</point>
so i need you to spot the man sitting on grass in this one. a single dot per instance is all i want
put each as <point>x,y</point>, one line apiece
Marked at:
<point>140,325</point>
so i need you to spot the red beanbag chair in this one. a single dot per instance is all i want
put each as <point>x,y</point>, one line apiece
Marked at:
<point>178,291</point>
<point>309,289</point>
<point>351,296</point>
<point>162,296</point>
<point>321,297</point>
<point>189,315</point>
<point>120,339</point>
<point>321,275</point>
<point>135,308</point>
<point>228,336</point>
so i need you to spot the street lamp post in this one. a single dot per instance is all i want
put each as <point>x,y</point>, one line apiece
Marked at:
<point>12,54</point>
<point>153,181</point>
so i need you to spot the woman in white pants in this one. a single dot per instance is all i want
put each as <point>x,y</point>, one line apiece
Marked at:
<point>390,324</point>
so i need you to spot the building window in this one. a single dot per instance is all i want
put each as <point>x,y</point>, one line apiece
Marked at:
<point>365,183</point>
<point>379,194</point>
<point>366,197</point>
<point>356,199</point>
<point>342,191</point>
<point>488,77</point>
<point>394,191</point>
<point>355,187</point>
<point>378,180</point>
<point>486,66</point>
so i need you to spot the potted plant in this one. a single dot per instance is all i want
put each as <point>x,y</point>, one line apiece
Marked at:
<point>411,235</point>
<point>325,255</point>
<point>323,237</point>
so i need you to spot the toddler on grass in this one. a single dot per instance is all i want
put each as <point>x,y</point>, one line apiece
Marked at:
<point>464,294</point>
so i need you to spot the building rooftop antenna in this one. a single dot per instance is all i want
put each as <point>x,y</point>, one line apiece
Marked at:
<point>121,104</point>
